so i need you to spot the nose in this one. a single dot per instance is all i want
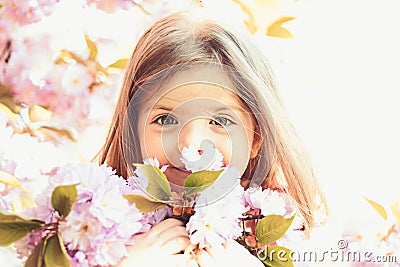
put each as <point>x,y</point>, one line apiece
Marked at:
<point>194,132</point>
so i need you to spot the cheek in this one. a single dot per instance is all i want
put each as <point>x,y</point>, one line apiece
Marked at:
<point>161,145</point>
<point>150,143</point>
<point>235,150</point>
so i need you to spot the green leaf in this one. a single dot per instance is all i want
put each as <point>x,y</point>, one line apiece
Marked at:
<point>272,227</point>
<point>199,181</point>
<point>67,56</point>
<point>395,210</point>
<point>250,23</point>
<point>39,114</point>
<point>53,133</point>
<point>63,198</point>
<point>36,258</point>
<point>8,112</point>
<point>9,179</point>
<point>158,186</point>
<point>92,48</point>
<point>12,105</point>
<point>378,208</point>
<point>119,64</point>
<point>55,254</point>
<point>13,228</point>
<point>277,256</point>
<point>276,29</point>
<point>144,204</point>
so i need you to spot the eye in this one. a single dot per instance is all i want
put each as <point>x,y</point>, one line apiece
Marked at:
<point>165,120</point>
<point>221,121</point>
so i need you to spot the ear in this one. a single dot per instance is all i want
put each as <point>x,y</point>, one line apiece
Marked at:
<point>257,142</point>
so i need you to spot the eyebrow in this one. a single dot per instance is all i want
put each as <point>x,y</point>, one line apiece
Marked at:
<point>167,108</point>
<point>236,108</point>
<point>158,107</point>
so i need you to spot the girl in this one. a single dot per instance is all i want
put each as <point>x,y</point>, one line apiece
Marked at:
<point>192,79</point>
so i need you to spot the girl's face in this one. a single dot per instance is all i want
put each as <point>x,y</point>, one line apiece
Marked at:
<point>190,113</point>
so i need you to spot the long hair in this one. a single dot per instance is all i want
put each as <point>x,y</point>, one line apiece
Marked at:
<point>182,38</point>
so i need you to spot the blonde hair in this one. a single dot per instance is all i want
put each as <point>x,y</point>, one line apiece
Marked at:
<point>180,39</point>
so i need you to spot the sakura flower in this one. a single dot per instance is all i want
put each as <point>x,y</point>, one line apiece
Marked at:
<point>101,220</point>
<point>111,6</point>
<point>228,182</point>
<point>63,88</point>
<point>109,252</point>
<point>136,185</point>
<point>106,211</point>
<point>24,12</point>
<point>80,230</point>
<point>267,200</point>
<point>139,181</point>
<point>154,217</point>
<point>76,78</point>
<point>155,162</point>
<point>78,259</point>
<point>25,245</point>
<point>205,227</point>
<point>219,221</point>
<point>209,158</point>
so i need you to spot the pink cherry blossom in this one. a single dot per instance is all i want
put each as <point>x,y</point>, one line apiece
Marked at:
<point>24,12</point>
<point>209,159</point>
<point>267,200</point>
<point>101,221</point>
<point>111,6</point>
<point>219,221</point>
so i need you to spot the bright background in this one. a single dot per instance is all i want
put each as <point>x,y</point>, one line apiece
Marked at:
<point>337,64</point>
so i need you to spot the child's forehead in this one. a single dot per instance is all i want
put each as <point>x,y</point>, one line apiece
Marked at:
<point>201,85</point>
<point>202,73</point>
<point>199,90</point>
<point>196,97</point>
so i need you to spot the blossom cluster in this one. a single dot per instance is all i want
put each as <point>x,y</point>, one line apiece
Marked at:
<point>217,213</point>
<point>101,221</point>
<point>26,12</point>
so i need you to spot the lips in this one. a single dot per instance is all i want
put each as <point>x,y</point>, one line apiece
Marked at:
<point>177,175</point>
<point>183,170</point>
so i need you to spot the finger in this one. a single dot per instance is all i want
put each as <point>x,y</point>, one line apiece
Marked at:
<point>174,231</point>
<point>139,239</point>
<point>204,259</point>
<point>175,245</point>
<point>159,238</point>
<point>189,249</point>
<point>164,225</point>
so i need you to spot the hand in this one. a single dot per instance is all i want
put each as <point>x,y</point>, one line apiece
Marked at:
<point>159,246</point>
<point>230,254</point>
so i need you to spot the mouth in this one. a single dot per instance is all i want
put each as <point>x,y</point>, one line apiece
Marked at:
<point>177,175</point>
<point>183,170</point>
